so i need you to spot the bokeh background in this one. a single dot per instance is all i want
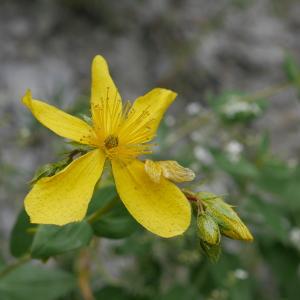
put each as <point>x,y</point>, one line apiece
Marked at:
<point>236,122</point>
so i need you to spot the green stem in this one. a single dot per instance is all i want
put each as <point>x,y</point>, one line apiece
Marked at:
<point>102,211</point>
<point>84,274</point>
<point>199,120</point>
<point>15,265</point>
<point>268,92</point>
<point>189,127</point>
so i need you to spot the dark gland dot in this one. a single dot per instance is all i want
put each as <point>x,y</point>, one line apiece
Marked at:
<point>111,142</point>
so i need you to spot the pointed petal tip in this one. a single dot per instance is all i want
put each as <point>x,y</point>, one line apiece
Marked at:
<point>172,94</point>
<point>26,99</point>
<point>249,237</point>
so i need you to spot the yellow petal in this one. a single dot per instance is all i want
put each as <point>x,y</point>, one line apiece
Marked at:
<point>145,115</point>
<point>64,197</point>
<point>160,207</point>
<point>58,121</point>
<point>105,98</point>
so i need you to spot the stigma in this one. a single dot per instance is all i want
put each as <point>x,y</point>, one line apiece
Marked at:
<point>111,142</point>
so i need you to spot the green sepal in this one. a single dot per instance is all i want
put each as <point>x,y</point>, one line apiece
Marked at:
<point>213,252</point>
<point>53,168</point>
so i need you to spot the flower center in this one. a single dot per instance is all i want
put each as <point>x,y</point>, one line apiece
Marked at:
<point>111,142</point>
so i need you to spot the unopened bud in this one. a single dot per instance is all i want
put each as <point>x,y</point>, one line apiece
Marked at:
<point>208,229</point>
<point>230,223</point>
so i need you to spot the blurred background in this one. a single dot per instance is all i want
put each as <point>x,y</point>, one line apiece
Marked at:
<point>236,123</point>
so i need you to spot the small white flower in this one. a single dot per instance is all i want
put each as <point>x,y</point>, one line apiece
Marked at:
<point>170,120</point>
<point>193,108</point>
<point>292,163</point>
<point>235,106</point>
<point>241,274</point>
<point>234,147</point>
<point>294,236</point>
<point>203,155</point>
<point>196,136</point>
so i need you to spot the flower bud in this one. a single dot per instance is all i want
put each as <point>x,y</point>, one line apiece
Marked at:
<point>208,229</point>
<point>230,223</point>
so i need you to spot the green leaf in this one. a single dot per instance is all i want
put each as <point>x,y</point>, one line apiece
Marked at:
<point>181,292</point>
<point>272,220</point>
<point>52,240</point>
<point>30,282</point>
<point>292,70</point>
<point>102,197</point>
<point>264,145</point>
<point>241,168</point>
<point>21,238</point>
<point>112,292</point>
<point>115,224</point>
<point>282,181</point>
<point>2,262</point>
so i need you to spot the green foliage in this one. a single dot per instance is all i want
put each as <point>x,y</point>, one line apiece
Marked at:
<point>51,240</point>
<point>180,292</point>
<point>35,283</point>
<point>116,293</point>
<point>264,189</point>
<point>292,70</point>
<point>115,224</point>
<point>240,167</point>
<point>22,235</point>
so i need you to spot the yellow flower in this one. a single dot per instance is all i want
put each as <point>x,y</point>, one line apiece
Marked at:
<point>121,135</point>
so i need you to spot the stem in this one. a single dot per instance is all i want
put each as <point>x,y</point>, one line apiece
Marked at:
<point>15,265</point>
<point>189,127</point>
<point>102,211</point>
<point>268,92</point>
<point>205,118</point>
<point>84,275</point>
<point>192,197</point>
